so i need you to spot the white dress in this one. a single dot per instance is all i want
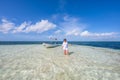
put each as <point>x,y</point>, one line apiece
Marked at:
<point>65,46</point>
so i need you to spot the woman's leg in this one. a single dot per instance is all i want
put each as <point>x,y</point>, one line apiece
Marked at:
<point>64,52</point>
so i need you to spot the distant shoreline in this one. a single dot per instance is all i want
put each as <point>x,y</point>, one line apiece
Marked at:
<point>59,41</point>
<point>110,44</point>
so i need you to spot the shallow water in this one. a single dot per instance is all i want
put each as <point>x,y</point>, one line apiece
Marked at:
<point>35,62</point>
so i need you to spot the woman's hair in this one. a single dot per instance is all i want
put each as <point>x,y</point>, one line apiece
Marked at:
<point>65,40</point>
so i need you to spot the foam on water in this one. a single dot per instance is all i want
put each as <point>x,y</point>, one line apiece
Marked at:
<point>35,62</point>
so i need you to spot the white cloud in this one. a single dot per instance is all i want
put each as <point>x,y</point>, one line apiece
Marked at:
<point>20,28</point>
<point>6,26</point>
<point>75,32</point>
<point>67,27</point>
<point>41,26</point>
<point>38,27</point>
<point>85,33</point>
<point>72,26</point>
<point>58,31</point>
<point>90,34</point>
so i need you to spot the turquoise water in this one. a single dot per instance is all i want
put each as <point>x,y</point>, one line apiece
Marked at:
<point>35,62</point>
<point>104,44</point>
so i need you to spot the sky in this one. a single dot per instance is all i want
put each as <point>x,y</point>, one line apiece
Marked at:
<point>75,20</point>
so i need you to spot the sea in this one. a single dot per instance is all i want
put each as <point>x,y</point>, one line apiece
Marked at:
<point>104,44</point>
<point>29,60</point>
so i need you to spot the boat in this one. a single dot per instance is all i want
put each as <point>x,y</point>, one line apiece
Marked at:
<point>47,45</point>
<point>52,44</point>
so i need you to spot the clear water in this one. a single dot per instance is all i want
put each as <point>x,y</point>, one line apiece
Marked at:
<point>104,44</point>
<point>35,62</point>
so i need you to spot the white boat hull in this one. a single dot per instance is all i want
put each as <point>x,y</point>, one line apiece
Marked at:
<point>50,45</point>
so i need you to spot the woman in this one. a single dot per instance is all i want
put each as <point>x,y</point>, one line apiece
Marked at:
<point>65,47</point>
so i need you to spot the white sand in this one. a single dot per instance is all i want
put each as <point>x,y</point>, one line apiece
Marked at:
<point>35,62</point>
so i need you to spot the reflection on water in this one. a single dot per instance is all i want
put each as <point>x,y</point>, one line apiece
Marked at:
<point>35,62</point>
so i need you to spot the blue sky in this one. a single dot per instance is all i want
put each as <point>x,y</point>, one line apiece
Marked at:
<point>79,20</point>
